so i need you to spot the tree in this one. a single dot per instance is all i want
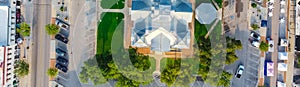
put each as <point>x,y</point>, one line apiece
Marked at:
<point>224,79</point>
<point>91,71</point>
<point>107,69</point>
<point>264,46</point>
<point>255,26</point>
<point>52,72</point>
<point>231,58</point>
<point>219,2</point>
<point>253,5</point>
<point>52,29</point>
<point>171,71</point>
<point>24,29</point>
<point>22,68</point>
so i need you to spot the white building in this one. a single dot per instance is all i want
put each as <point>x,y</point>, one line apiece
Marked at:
<point>162,25</point>
<point>7,42</point>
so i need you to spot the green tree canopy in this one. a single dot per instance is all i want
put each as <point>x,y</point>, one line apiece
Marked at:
<point>52,29</point>
<point>264,46</point>
<point>224,79</point>
<point>52,72</point>
<point>255,26</point>
<point>24,29</point>
<point>171,71</point>
<point>205,53</point>
<point>91,71</point>
<point>106,68</point>
<point>253,5</point>
<point>22,68</point>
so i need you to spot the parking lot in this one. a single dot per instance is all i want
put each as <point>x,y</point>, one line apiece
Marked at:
<point>249,57</point>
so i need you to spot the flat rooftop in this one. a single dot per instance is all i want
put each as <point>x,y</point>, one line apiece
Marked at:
<point>3,25</point>
<point>4,2</point>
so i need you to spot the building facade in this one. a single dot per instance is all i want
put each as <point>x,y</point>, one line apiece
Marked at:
<point>8,46</point>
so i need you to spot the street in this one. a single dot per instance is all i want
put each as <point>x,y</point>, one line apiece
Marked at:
<point>274,30</point>
<point>40,44</point>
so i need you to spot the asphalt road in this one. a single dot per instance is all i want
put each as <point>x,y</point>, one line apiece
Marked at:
<point>41,44</point>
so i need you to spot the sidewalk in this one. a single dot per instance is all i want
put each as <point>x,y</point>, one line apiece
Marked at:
<point>26,80</point>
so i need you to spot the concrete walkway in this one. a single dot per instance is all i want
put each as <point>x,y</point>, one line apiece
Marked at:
<point>212,28</point>
<point>157,59</point>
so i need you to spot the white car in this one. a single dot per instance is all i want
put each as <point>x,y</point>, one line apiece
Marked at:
<point>255,35</point>
<point>61,24</point>
<point>239,71</point>
<point>255,43</point>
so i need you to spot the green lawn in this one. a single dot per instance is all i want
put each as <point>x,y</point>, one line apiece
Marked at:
<point>109,23</point>
<point>112,4</point>
<point>219,2</point>
<point>198,2</point>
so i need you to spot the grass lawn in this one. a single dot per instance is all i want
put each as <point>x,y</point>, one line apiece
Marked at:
<point>198,2</point>
<point>112,4</point>
<point>163,63</point>
<point>219,2</point>
<point>106,28</point>
<point>217,30</point>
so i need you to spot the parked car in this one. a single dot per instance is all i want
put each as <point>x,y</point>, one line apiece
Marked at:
<point>255,43</point>
<point>239,71</point>
<point>61,67</point>
<point>255,36</point>
<point>61,24</point>
<point>60,52</point>
<point>62,60</point>
<point>61,38</point>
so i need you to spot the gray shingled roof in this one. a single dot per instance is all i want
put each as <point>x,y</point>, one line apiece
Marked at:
<point>183,7</point>
<point>140,28</point>
<point>181,29</point>
<point>140,5</point>
<point>160,43</point>
<point>206,13</point>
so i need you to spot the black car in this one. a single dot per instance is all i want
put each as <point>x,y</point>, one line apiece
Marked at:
<point>61,38</point>
<point>62,60</point>
<point>61,67</point>
<point>60,52</point>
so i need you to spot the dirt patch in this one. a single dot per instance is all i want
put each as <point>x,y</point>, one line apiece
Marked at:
<point>239,7</point>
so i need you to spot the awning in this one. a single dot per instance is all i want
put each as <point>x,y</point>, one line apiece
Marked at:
<point>284,42</point>
<point>271,45</point>
<point>282,67</point>
<point>280,84</point>
<point>269,70</point>
<point>282,10</point>
<point>282,55</point>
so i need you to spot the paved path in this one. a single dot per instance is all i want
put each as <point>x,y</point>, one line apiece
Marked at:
<point>157,58</point>
<point>41,44</point>
<point>212,28</point>
<point>275,36</point>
